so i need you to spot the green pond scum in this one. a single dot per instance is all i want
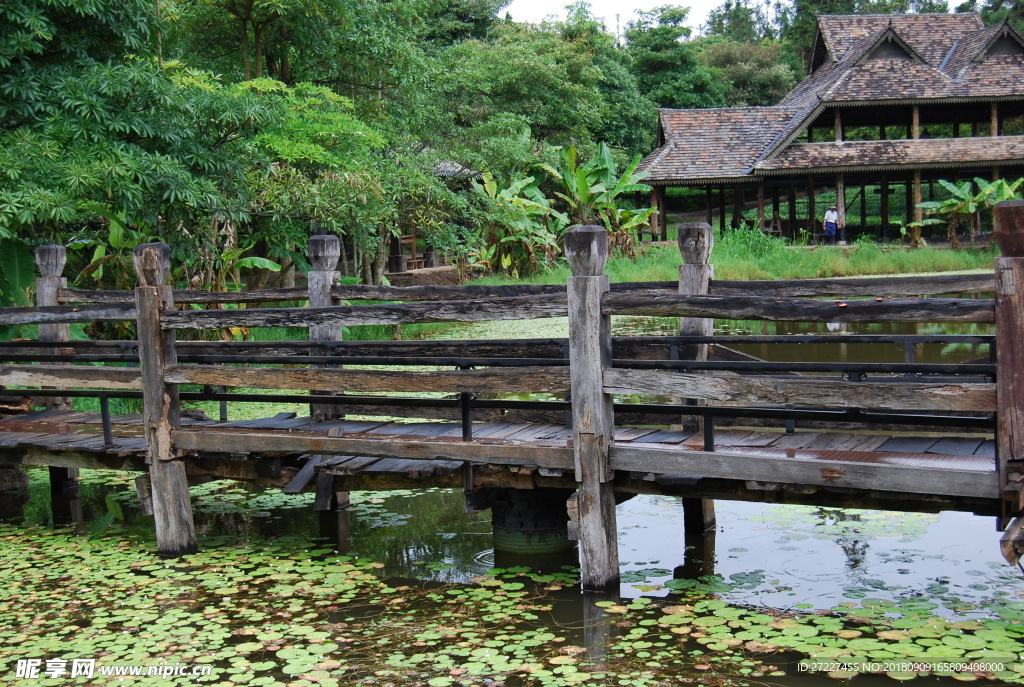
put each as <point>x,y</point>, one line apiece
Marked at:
<point>293,612</point>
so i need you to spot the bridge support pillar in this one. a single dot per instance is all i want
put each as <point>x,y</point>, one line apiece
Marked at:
<point>172,509</point>
<point>696,241</point>
<point>530,521</point>
<point>586,248</point>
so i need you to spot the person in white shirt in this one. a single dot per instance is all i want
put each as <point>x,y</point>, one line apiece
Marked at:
<point>830,224</point>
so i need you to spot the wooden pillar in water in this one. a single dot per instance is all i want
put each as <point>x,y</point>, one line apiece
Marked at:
<point>695,274</point>
<point>586,248</point>
<point>324,252</point>
<point>172,509</point>
<point>50,260</point>
<point>1009,234</point>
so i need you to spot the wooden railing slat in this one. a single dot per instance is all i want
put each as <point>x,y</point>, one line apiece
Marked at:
<point>493,380</point>
<point>802,310</point>
<point>805,391</point>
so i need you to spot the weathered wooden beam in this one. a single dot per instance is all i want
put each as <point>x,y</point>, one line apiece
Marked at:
<point>525,308</point>
<point>50,260</point>
<point>67,314</point>
<point>774,465</point>
<point>172,509</point>
<point>477,451</point>
<point>586,248</point>
<point>70,376</point>
<point>796,310</point>
<point>324,252</point>
<point>488,380</point>
<point>696,242</point>
<point>1009,233</point>
<point>858,286</point>
<point>804,391</point>
<point>188,296</point>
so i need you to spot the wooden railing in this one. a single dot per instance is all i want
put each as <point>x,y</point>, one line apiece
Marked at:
<point>591,365</point>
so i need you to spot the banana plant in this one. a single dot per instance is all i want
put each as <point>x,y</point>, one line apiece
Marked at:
<point>592,191</point>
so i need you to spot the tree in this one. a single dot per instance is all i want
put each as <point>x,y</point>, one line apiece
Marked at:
<point>757,72</point>
<point>739,20</point>
<point>669,69</point>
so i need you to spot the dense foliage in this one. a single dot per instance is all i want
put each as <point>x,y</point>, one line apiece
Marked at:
<point>232,129</point>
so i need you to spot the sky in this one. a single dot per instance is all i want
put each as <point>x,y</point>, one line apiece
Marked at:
<point>535,10</point>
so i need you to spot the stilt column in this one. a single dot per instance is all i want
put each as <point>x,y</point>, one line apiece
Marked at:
<point>172,509</point>
<point>695,274</point>
<point>586,247</point>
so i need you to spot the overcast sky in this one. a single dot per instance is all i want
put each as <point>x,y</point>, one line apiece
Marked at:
<point>535,10</point>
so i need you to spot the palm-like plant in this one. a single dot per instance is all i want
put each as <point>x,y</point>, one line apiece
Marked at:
<point>591,192</point>
<point>963,203</point>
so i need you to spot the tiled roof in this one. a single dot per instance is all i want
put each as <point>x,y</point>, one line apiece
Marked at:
<point>931,35</point>
<point>716,142</point>
<point>883,154</point>
<point>947,61</point>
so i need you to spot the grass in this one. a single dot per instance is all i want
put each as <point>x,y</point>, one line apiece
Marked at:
<point>747,254</point>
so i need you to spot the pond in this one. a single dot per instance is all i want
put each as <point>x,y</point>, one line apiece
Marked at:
<point>412,592</point>
<point>419,599</point>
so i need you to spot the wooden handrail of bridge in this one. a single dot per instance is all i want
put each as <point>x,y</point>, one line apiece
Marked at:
<point>589,300</point>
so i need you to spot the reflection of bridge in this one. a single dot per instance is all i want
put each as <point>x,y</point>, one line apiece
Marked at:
<point>917,436</point>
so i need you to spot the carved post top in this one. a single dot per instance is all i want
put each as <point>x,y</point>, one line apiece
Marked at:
<point>50,260</point>
<point>1009,228</point>
<point>696,239</point>
<point>324,252</point>
<point>152,263</point>
<point>586,247</point>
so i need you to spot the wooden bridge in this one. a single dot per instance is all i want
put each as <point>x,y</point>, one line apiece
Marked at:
<point>680,414</point>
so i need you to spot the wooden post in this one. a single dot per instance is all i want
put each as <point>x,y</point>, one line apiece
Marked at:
<point>663,212</point>
<point>918,212</point>
<point>760,204</point>
<point>775,209</point>
<point>586,247</point>
<point>839,127</point>
<point>1009,234</point>
<point>915,121</point>
<point>863,206</point>
<point>175,533</point>
<point>50,260</point>
<point>695,274</point>
<point>655,219</point>
<point>792,210</point>
<point>721,208</point>
<point>994,120</point>
<point>324,252</point>
<point>885,207</point>
<point>709,203</point>
<point>811,214</point>
<point>841,207</point>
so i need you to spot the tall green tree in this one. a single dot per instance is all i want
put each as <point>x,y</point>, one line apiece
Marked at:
<point>757,72</point>
<point>668,67</point>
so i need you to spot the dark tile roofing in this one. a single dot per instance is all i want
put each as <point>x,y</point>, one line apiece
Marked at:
<point>885,154</point>
<point>946,60</point>
<point>930,35</point>
<point>714,142</point>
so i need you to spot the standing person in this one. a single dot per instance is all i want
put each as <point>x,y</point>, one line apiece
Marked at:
<point>830,224</point>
